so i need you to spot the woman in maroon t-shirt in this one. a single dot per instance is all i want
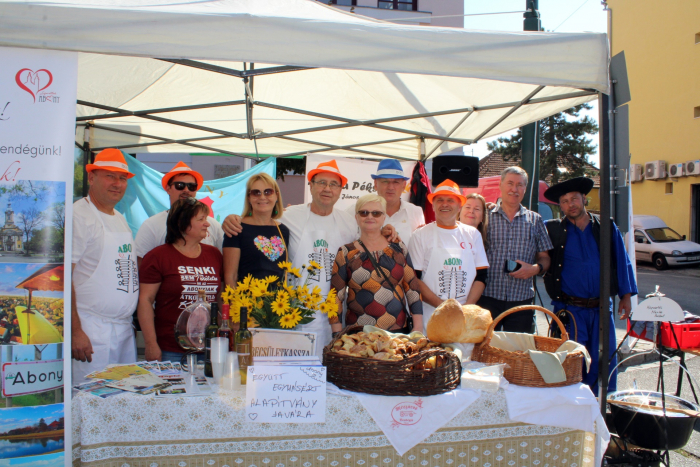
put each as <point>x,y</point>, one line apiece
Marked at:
<point>172,274</point>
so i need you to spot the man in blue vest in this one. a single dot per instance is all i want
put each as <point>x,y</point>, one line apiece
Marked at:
<point>573,279</point>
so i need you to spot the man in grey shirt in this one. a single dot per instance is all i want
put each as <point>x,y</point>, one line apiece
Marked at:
<point>518,250</point>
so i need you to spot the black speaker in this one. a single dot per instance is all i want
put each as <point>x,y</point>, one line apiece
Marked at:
<point>463,170</point>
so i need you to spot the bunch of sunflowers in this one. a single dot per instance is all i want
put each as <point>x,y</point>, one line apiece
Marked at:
<point>280,304</point>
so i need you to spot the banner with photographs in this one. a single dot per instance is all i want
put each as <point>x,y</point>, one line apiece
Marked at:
<point>37,126</point>
<point>358,173</point>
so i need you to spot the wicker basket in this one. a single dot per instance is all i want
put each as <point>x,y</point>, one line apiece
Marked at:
<point>521,370</point>
<point>392,378</point>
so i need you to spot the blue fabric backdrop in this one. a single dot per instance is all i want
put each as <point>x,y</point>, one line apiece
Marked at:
<point>145,196</point>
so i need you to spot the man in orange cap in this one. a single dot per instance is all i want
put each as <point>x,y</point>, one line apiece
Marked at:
<point>447,255</point>
<point>105,280</point>
<point>180,183</point>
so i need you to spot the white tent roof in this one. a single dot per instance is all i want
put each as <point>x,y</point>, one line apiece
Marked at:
<point>376,88</point>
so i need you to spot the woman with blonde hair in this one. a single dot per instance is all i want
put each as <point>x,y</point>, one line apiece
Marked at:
<point>473,213</point>
<point>374,276</point>
<point>262,244</point>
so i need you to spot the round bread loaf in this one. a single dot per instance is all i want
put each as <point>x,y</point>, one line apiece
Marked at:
<point>454,323</point>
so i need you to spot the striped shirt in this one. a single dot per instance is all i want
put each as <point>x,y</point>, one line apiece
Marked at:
<point>521,240</point>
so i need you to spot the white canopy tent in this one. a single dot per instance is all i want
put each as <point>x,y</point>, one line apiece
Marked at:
<point>287,77</point>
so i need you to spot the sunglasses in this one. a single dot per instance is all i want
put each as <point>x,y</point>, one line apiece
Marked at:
<point>258,193</point>
<point>179,186</point>
<point>375,214</point>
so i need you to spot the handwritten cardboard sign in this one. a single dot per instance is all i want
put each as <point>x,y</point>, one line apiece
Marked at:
<point>286,394</point>
<point>20,378</point>
<point>658,309</point>
<point>281,343</point>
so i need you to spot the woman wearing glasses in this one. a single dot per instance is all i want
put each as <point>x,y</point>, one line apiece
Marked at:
<point>172,274</point>
<point>374,276</point>
<point>262,244</point>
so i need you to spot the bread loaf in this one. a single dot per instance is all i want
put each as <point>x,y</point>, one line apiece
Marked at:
<point>454,323</point>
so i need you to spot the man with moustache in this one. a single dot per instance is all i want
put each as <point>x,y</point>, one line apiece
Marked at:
<point>180,183</point>
<point>105,280</point>
<point>448,256</point>
<point>573,280</point>
<point>514,234</point>
<point>390,183</point>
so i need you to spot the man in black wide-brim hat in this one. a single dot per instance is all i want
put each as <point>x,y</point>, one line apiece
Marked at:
<point>573,279</point>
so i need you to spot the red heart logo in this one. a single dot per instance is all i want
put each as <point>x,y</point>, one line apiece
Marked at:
<point>26,78</point>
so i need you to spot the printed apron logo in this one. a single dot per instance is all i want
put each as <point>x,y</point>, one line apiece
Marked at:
<point>34,82</point>
<point>126,270</point>
<point>452,280</point>
<point>323,257</point>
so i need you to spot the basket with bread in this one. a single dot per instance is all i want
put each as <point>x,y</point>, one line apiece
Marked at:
<point>376,362</point>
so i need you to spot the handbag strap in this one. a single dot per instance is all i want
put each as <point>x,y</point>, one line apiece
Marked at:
<point>381,272</point>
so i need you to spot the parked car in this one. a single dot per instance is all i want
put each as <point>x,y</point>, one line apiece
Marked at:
<point>657,243</point>
<point>488,188</point>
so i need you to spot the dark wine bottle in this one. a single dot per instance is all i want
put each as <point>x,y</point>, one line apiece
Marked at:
<point>211,331</point>
<point>225,330</point>
<point>244,346</point>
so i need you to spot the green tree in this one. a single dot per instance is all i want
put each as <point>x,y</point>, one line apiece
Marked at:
<point>564,143</point>
<point>293,165</point>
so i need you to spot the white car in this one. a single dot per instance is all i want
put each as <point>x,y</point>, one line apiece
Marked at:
<point>657,243</point>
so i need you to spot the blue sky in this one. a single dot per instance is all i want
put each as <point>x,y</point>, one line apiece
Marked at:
<point>555,15</point>
<point>47,460</point>
<point>55,193</point>
<point>18,417</point>
<point>12,274</point>
<point>25,353</point>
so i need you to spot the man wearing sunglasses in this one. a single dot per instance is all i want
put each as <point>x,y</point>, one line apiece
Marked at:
<point>180,183</point>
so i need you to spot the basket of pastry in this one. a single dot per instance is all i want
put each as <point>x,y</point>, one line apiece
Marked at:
<point>369,360</point>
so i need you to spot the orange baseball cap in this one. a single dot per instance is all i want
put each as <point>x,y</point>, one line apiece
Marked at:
<point>110,159</point>
<point>448,187</point>
<point>330,167</point>
<point>179,169</point>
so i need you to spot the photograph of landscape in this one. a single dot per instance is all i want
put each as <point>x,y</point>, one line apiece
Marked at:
<point>31,431</point>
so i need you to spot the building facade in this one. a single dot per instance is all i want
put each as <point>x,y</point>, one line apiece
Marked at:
<point>661,43</point>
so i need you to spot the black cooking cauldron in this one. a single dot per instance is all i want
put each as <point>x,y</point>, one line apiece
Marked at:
<point>646,428</point>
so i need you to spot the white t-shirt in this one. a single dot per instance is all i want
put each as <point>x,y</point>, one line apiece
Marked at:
<point>463,236</point>
<point>339,225</point>
<point>152,234</point>
<point>406,220</point>
<point>88,238</point>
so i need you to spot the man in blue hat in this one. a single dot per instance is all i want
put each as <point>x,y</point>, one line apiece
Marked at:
<point>573,279</point>
<point>390,183</point>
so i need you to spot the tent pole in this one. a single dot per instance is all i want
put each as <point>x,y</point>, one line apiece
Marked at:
<point>605,251</point>
<point>155,111</point>
<point>509,113</point>
<point>530,159</point>
<point>86,157</point>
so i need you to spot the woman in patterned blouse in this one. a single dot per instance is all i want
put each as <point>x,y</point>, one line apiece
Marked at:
<point>370,299</point>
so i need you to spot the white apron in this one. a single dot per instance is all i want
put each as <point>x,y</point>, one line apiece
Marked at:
<point>106,303</point>
<point>321,247</point>
<point>450,274</point>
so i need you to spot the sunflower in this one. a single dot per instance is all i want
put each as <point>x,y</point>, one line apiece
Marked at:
<point>323,307</point>
<point>282,296</point>
<point>245,284</point>
<point>314,264</point>
<point>295,312</point>
<point>280,307</point>
<point>271,279</point>
<point>295,272</point>
<point>287,321</point>
<point>285,265</point>
<point>332,313</point>
<point>295,318</point>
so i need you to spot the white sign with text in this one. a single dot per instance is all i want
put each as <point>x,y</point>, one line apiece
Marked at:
<point>658,309</point>
<point>20,378</point>
<point>283,343</point>
<point>286,394</point>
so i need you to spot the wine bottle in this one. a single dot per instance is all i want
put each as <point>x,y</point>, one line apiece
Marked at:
<point>244,346</point>
<point>211,331</point>
<point>225,330</point>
